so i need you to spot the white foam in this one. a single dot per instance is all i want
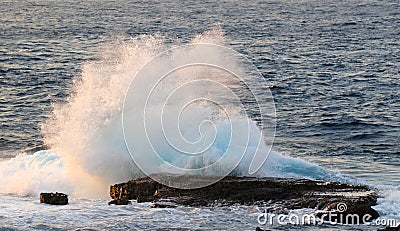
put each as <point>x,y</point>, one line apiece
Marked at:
<point>28,174</point>
<point>389,203</point>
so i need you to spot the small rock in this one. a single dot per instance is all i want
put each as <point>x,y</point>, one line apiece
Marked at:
<point>54,198</point>
<point>119,202</point>
<point>163,205</point>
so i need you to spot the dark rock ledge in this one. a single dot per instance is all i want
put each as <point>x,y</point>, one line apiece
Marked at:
<point>280,195</point>
<point>54,198</point>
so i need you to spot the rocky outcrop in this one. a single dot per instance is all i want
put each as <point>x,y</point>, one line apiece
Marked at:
<point>54,198</point>
<point>280,195</point>
<point>344,211</point>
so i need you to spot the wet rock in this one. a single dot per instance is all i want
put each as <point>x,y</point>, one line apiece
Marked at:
<point>282,194</point>
<point>54,198</point>
<point>163,205</point>
<point>133,190</point>
<point>350,212</point>
<point>119,202</point>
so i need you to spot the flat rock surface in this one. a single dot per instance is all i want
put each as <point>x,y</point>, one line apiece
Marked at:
<point>281,194</point>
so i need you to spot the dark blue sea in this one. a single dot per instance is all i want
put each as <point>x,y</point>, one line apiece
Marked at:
<point>332,68</point>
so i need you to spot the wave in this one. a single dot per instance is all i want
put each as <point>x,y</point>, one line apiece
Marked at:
<point>88,152</point>
<point>28,174</point>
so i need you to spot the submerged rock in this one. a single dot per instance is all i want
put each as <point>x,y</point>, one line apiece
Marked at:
<point>280,195</point>
<point>163,205</point>
<point>54,198</point>
<point>119,202</point>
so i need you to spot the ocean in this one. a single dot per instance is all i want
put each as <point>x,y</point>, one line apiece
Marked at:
<point>332,68</point>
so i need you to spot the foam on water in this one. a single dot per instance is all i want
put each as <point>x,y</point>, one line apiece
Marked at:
<point>26,174</point>
<point>389,202</point>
